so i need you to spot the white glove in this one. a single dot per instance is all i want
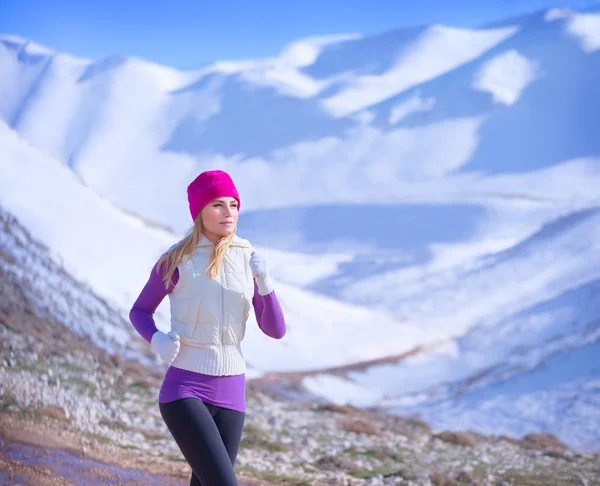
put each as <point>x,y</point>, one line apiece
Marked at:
<point>258,265</point>
<point>165,345</point>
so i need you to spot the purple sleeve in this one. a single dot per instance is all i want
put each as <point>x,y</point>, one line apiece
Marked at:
<point>153,293</point>
<point>269,314</point>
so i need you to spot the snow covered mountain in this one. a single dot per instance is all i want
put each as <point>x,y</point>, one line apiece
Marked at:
<point>426,197</point>
<point>33,283</point>
<point>426,114</point>
<point>518,340</point>
<point>113,252</point>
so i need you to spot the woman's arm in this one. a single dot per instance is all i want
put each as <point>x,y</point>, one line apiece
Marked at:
<point>269,314</point>
<point>153,293</point>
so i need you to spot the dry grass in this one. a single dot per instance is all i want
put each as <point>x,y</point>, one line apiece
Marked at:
<point>542,442</point>
<point>358,425</point>
<point>457,438</point>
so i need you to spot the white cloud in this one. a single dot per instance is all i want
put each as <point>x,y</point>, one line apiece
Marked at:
<point>586,27</point>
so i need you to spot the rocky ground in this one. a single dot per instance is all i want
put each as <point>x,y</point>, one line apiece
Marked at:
<point>60,393</point>
<point>72,413</point>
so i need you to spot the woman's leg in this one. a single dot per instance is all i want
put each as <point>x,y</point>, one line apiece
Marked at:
<point>230,424</point>
<point>192,426</point>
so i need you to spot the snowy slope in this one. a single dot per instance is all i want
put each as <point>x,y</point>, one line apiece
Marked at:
<point>419,114</point>
<point>28,271</point>
<point>536,370</point>
<point>558,256</point>
<point>93,238</point>
<point>385,254</point>
<point>560,396</point>
<point>522,329</point>
<point>113,252</point>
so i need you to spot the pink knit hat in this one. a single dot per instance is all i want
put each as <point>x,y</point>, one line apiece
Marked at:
<point>208,186</point>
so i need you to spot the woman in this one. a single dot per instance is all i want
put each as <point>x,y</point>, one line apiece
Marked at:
<point>212,277</point>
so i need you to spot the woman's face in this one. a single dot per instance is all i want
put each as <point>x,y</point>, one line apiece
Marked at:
<point>219,218</point>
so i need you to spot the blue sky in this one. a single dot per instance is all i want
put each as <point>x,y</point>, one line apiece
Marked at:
<point>187,34</point>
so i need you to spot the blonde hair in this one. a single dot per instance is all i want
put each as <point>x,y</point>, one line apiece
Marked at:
<point>185,249</point>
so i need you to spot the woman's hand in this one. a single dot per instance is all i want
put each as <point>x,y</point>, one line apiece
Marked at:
<point>258,265</point>
<point>165,345</point>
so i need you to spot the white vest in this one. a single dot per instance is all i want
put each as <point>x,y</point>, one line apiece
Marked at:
<point>210,315</point>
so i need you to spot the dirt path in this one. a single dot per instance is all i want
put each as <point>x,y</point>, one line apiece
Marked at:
<point>41,453</point>
<point>30,464</point>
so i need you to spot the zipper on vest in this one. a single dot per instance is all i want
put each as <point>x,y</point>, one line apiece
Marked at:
<point>221,275</point>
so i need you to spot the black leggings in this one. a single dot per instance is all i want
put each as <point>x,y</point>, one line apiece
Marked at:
<point>208,436</point>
